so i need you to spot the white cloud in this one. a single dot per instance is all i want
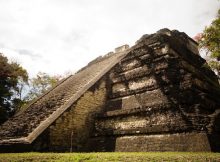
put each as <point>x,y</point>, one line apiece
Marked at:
<point>60,36</point>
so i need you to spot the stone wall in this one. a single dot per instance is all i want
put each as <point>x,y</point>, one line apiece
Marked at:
<point>71,130</point>
<point>159,99</point>
<point>163,142</point>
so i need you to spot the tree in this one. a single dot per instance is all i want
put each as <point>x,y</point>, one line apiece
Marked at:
<point>210,42</point>
<point>11,74</point>
<point>40,84</point>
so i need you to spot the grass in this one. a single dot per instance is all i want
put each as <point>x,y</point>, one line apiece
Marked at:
<point>111,157</point>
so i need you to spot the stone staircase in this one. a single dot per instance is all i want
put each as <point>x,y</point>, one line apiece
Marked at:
<point>57,99</point>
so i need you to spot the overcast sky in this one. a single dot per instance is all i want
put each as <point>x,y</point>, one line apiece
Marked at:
<point>58,36</point>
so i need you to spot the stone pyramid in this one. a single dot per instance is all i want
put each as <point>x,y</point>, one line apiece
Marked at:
<point>158,95</point>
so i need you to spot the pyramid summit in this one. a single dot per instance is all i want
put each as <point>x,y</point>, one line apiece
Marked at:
<point>157,95</point>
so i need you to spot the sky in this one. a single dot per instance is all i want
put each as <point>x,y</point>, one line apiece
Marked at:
<point>62,36</point>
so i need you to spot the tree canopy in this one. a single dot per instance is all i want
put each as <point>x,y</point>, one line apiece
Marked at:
<point>209,40</point>
<point>11,74</point>
<point>40,84</point>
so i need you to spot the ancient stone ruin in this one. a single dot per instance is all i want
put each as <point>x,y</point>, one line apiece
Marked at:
<point>158,95</point>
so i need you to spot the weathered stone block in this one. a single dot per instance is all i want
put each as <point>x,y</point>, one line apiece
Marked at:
<point>165,142</point>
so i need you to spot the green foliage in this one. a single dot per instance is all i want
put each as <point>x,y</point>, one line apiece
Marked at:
<point>11,74</point>
<point>40,84</point>
<point>210,41</point>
